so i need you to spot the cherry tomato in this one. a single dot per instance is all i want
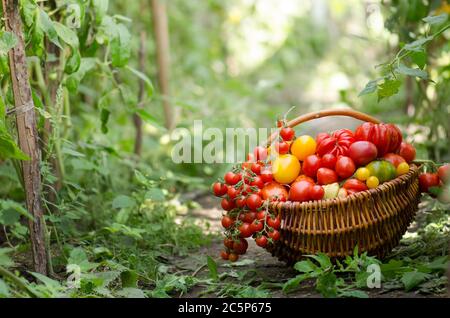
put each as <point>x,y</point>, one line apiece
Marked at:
<point>345,167</point>
<point>233,257</point>
<point>231,178</point>
<point>282,147</point>
<point>329,161</point>
<point>407,151</point>
<point>228,242</point>
<point>427,181</point>
<point>227,221</point>
<point>227,205</point>
<point>305,178</point>
<point>285,168</point>
<point>266,175</point>
<point>257,182</point>
<point>256,168</point>
<point>240,201</point>
<point>232,192</point>
<point>311,164</point>
<point>402,168</point>
<point>260,153</point>
<point>362,174</point>
<point>240,247</point>
<point>274,235</point>
<point>254,202</point>
<point>224,255</point>
<point>257,226</point>
<point>394,159</point>
<point>245,230</point>
<point>326,176</point>
<point>317,192</point>
<point>261,215</point>
<point>372,182</point>
<point>274,192</point>
<point>300,191</point>
<point>219,189</point>
<point>444,173</point>
<point>248,217</point>
<point>303,147</point>
<point>274,222</point>
<point>287,133</point>
<point>354,185</point>
<point>362,152</point>
<point>261,241</point>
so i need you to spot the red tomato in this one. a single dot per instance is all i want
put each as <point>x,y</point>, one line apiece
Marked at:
<point>362,152</point>
<point>232,192</point>
<point>260,153</point>
<point>407,151</point>
<point>305,178</point>
<point>224,255</point>
<point>326,176</point>
<point>228,242</point>
<point>354,185</point>
<point>227,205</point>
<point>336,144</point>
<point>248,217</point>
<point>256,167</point>
<point>427,181</point>
<point>246,165</point>
<point>240,201</point>
<point>233,257</point>
<point>274,222</point>
<point>274,192</point>
<point>240,247</point>
<point>261,215</point>
<point>251,157</point>
<point>394,159</point>
<point>227,221</point>
<point>282,147</point>
<point>257,182</point>
<point>345,167</point>
<point>287,133</point>
<point>257,226</point>
<point>245,230</point>
<point>386,137</point>
<point>274,235</point>
<point>266,175</point>
<point>254,202</point>
<point>261,241</point>
<point>317,192</point>
<point>329,161</point>
<point>231,178</point>
<point>219,189</point>
<point>311,164</point>
<point>444,173</point>
<point>300,191</point>
<point>321,136</point>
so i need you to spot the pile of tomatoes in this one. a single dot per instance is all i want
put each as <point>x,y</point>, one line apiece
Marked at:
<point>303,169</point>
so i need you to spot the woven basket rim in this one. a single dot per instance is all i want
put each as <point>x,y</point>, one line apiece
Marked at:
<point>383,187</point>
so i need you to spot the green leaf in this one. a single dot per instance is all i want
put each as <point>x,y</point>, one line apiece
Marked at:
<point>78,257</point>
<point>212,266</point>
<point>305,266</point>
<point>326,285</point>
<point>5,260</point>
<point>436,19</point>
<point>388,88</point>
<point>104,118</point>
<point>143,77</point>
<point>9,217</point>
<point>131,293</point>
<point>413,279</point>
<point>49,29</point>
<point>7,41</point>
<point>370,87</point>
<point>416,72</point>
<point>10,204</point>
<point>100,8</point>
<point>120,46</point>
<point>123,201</point>
<point>418,45</point>
<point>48,282</point>
<point>129,278</point>
<point>4,289</point>
<point>419,58</point>
<point>66,34</point>
<point>155,194</point>
<point>353,294</point>
<point>293,283</point>
<point>322,259</point>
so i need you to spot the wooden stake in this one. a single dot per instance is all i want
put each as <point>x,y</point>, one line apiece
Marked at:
<point>27,134</point>
<point>161,33</point>
<point>136,118</point>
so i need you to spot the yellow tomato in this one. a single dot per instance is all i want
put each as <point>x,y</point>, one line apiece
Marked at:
<point>362,174</point>
<point>303,146</point>
<point>402,168</point>
<point>372,182</point>
<point>285,168</point>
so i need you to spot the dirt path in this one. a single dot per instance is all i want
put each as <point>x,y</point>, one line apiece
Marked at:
<point>255,267</point>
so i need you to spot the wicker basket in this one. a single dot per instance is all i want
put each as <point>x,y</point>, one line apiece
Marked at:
<point>375,219</point>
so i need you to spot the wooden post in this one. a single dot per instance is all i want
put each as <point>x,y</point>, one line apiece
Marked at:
<point>136,118</point>
<point>161,33</point>
<point>27,134</point>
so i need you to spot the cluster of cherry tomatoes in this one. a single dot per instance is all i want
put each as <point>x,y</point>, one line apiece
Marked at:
<point>305,168</point>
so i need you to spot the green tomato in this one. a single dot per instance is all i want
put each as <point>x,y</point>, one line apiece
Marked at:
<point>382,169</point>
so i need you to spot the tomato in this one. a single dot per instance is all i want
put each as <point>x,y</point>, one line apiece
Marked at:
<point>386,137</point>
<point>317,192</point>
<point>311,164</point>
<point>245,230</point>
<point>287,133</point>
<point>274,222</point>
<point>326,176</point>
<point>246,165</point>
<point>336,143</point>
<point>240,201</point>
<point>256,226</point>
<point>219,189</point>
<point>300,191</point>
<point>305,178</point>
<point>444,173</point>
<point>266,175</point>
<point>331,190</point>
<point>256,167</point>
<point>402,168</point>
<point>254,202</point>
<point>233,257</point>
<point>329,161</point>
<point>362,152</point>
<point>303,147</point>
<point>240,247</point>
<point>231,178</point>
<point>345,167</point>
<point>407,151</point>
<point>274,192</point>
<point>261,241</point>
<point>282,147</point>
<point>257,182</point>
<point>232,192</point>
<point>274,235</point>
<point>224,255</point>
<point>362,174</point>
<point>248,217</point>
<point>372,182</point>
<point>427,181</point>
<point>321,136</point>
<point>355,185</point>
<point>227,221</point>
<point>251,157</point>
<point>227,205</point>
<point>285,168</point>
<point>382,169</point>
<point>394,159</point>
<point>260,153</point>
<point>261,215</point>
<point>342,193</point>
<point>280,123</point>
<point>228,242</point>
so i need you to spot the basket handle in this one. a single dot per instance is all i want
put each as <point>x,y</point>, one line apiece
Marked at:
<point>325,113</point>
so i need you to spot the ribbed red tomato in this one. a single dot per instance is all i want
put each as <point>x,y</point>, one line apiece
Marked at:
<point>386,137</point>
<point>336,144</point>
<point>274,192</point>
